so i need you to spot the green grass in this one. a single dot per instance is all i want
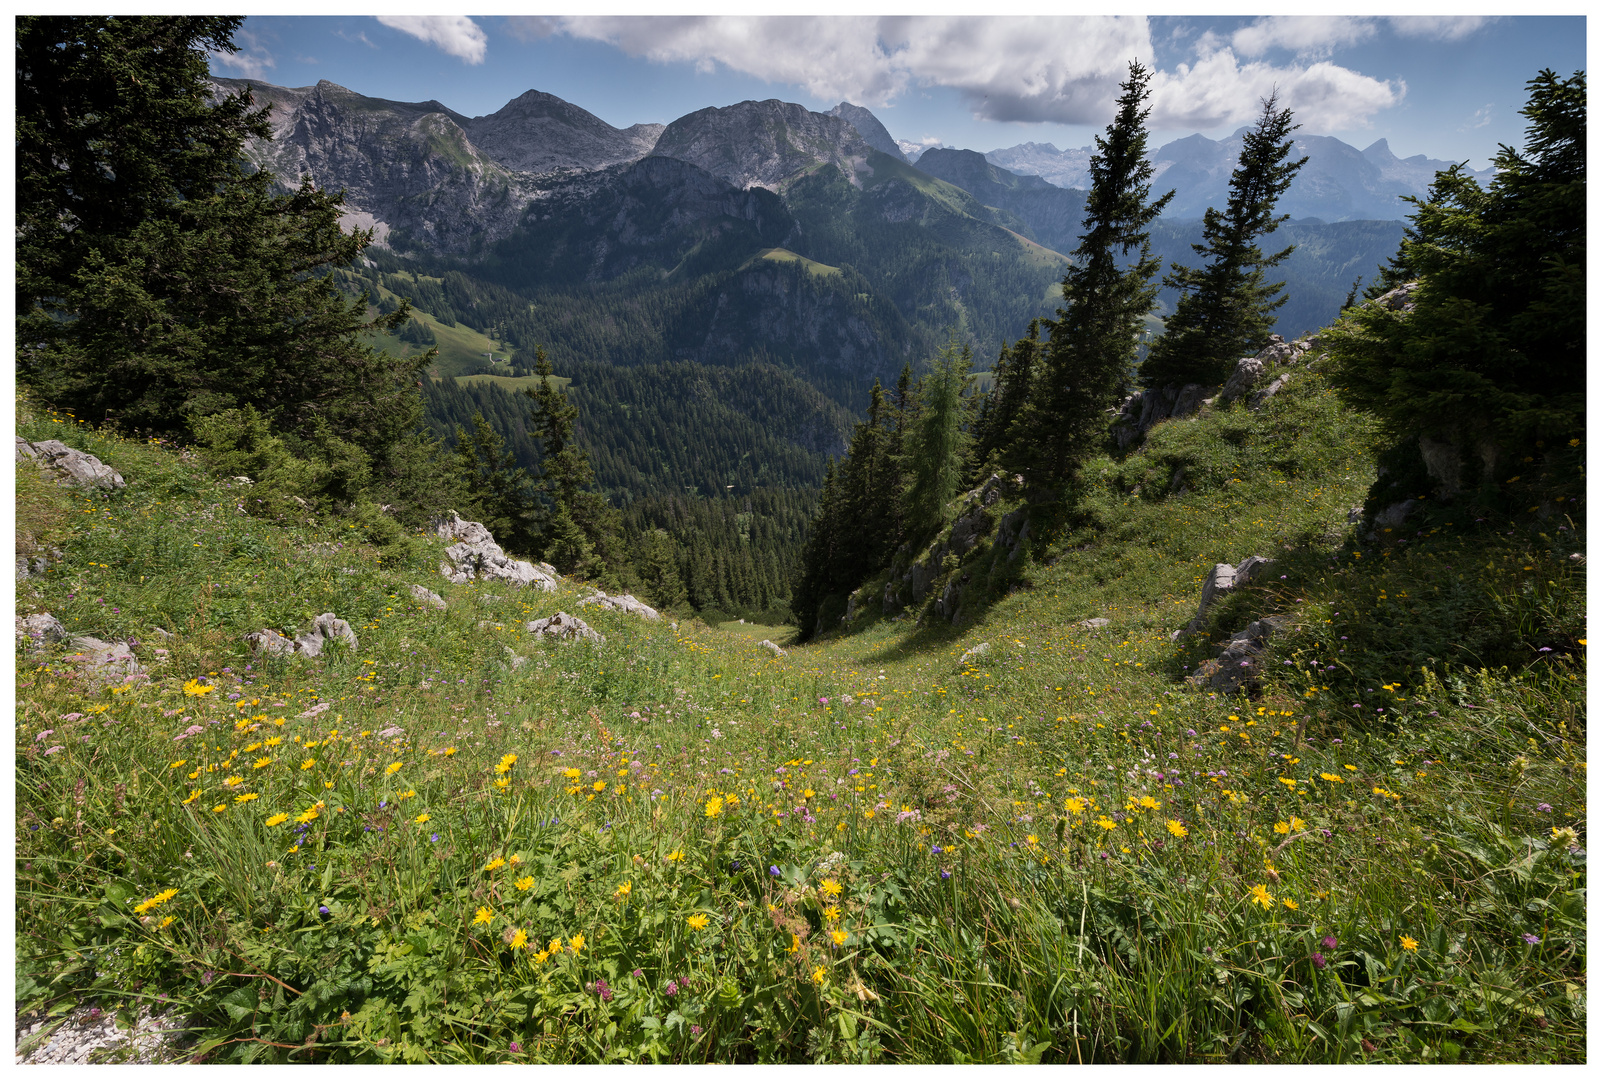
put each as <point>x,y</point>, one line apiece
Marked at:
<point>515,383</point>
<point>461,348</point>
<point>784,255</point>
<point>1057,852</point>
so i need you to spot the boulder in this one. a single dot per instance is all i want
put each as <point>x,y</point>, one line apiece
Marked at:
<point>1092,624</point>
<point>1260,398</point>
<point>476,555</point>
<point>625,603</point>
<point>1248,372</point>
<point>428,596</point>
<point>513,660</point>
<point>325,628</point>
<point>104,661</point>
<point>38,564</point>
<point>74,467</point>
<point>265,642</point>
<point>1237,664</point>
<point>771,647</point>
<point>974,653</point>
<point>1398,299</point>
<point>37,631</point>
<point>564,627</point>
<point>1223,578</point>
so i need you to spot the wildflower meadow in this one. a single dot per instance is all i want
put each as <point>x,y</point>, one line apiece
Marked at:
<point>457,843</point>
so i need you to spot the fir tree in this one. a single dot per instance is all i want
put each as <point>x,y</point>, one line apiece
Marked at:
<point>1491,360</point>
<point>1226,308</point>
<point>937,444</point>
<point>1107,297</point>
<point>498,492</point>
<point>159,280</point>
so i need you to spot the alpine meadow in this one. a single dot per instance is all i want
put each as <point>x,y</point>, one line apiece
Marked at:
<point>795,599</point>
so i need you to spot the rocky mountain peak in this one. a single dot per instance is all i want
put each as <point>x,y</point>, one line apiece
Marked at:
<point>869,127</point>
<point>538,132</point>
<point>765,143</point>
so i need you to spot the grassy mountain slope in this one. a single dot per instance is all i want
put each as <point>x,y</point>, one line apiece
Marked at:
<point>681,846</point>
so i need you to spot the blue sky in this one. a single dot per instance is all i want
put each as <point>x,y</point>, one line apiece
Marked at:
<point>1449,87</point>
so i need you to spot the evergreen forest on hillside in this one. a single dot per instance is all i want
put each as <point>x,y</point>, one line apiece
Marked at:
<point>969,720</point>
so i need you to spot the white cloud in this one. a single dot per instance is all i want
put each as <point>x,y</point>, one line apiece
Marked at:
<point>1439,27</point>
<point>454,35</point>
<point>1308,36</point>
<point>1480,118</point>
<point>252,61</point>
<point>1218,90</point>
<point>1064,69</point>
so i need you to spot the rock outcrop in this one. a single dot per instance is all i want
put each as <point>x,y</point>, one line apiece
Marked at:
<point>34,632</point>
<point>476,555</point>
<point>772,647</point>
<point>428,596</point>
<point>268,642</point>
<point>72,467</point>
<point>104,661</point>
<point>1223,578</point>
<point>564,627</point>
<point>326,627</point>
<point>1144,409</point>
<point>625,603</point>
<point>975,523</point>
<point>1236,665</point>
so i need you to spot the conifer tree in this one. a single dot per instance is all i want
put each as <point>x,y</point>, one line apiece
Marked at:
<point>937,444</point>
<point>132,191</point>
<point>1226,308</point>
<point>499,492</point>
<point>1491,360</point>
<point>1094,340</point>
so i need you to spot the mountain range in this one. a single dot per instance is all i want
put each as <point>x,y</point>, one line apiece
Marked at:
<point>1338,183</point>
<point>758,233</point>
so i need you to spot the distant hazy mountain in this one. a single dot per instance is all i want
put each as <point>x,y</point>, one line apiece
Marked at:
<point>764,143</point>
<point>868,126</point>
<point>1338,183</point>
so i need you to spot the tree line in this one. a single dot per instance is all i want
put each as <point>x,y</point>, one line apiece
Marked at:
<point>1488,364</point>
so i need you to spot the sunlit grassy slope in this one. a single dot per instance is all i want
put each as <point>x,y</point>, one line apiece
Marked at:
<point>678,846</point>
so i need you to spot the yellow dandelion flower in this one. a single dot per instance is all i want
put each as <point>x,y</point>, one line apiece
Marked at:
<point>308,763</point>
<point>1106,822</point>
<point>697,922</point>
<point>277,819</point>
<point>194,689</point>
<point>1297,824</point>
<point>575,943</point>
<point>830,887</point>
<point>598,787</point>
<point>247,797</point>
<point>795,943</point>
<point>261,763</point>
<point>714,806</point>
<point>1149,803</point>
<point>818,975</point>
<point>193,795</point>
<point>1282,827</point>
<point>624,889</point>
<point>219,808</point>
<point>494,864</point>
<point>449,750</point>
<point>419,819</point>
<point>392,768</point>
<point>1289,903</point>
<point>1409,944</point>
<point>832,912</point>
<point>1179,830</point>
<point>542,956</point>
<point>524,884</point>
<point>571,774</point>
<point>675,856</point>
<point>233,781</point>
<point>519,939</point>
<point>176,764</point>
<point>168,921</point>
<point>484,915</point>
<point>1260,896</point>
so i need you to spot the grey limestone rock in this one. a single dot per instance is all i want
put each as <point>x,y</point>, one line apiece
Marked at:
<point>625,603</point>
<point>267,642</point>
<point>1092,624</point>
<point>39,630</point>
<point>1223,578</point>
<point>428,596</point>
<point>73,467</point>
<point>104,661</point>
<point>326,627</point>
<point>476,555</point>
<point>974,653</point>
<point>772,647</point>
<point>564,627</point>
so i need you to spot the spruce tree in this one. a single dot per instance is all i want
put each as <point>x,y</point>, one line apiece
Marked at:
<point>1094,340</point>
<point>160,280</point>
<point>937,444</point>
<point>1491,360</point>
<point>1226,308</point>
<point>499,492</point>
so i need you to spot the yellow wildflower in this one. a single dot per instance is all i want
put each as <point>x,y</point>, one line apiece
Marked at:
<point>697,922</point>
<point>714,806</point>
<point>524,884</point>
<point>484,915</point>
<point>277,819</point>
<point>1409,944</point>
<point>1179,830</point>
